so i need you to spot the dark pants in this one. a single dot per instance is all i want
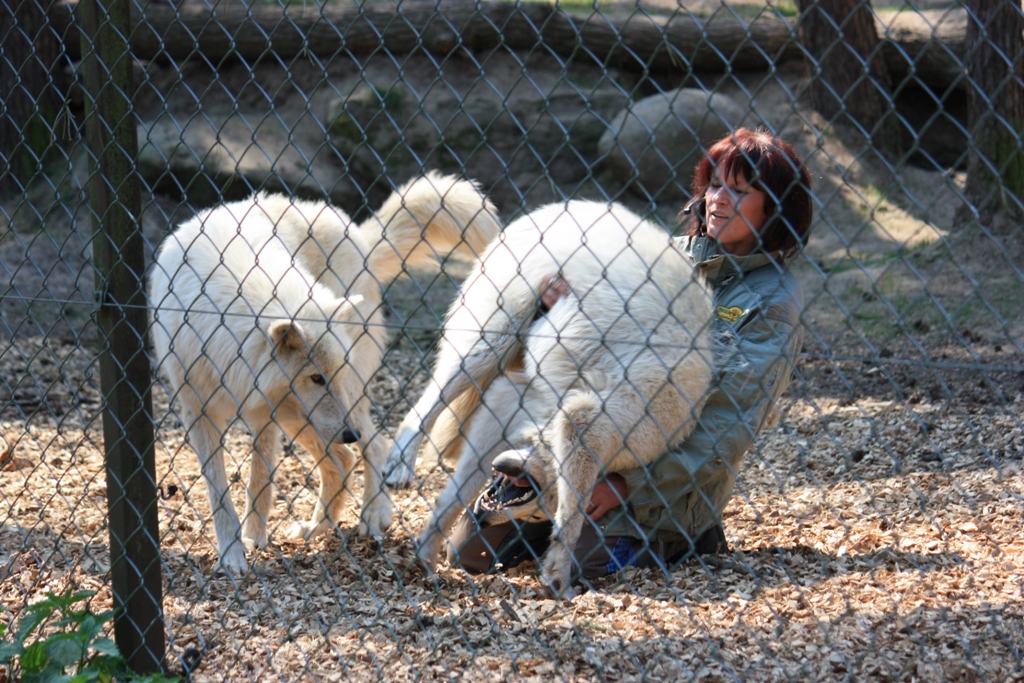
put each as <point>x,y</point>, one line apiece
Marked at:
<point>503,546</point>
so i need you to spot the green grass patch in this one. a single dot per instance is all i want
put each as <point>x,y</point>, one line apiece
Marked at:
<point>865,262</point>
<point>785,9</point>
<point>593,626</point>
<point>753,10</point>
<point>896,300</point>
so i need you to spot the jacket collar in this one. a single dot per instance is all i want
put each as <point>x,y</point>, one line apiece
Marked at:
<point>717,265</point>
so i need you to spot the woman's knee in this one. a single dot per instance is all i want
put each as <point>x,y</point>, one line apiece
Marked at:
<point>474,548</point>
<point>497,547</point>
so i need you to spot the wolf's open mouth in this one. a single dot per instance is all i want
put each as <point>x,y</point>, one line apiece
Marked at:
<point>507,493</point>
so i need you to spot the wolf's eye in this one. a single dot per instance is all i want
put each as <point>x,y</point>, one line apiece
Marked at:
<point>318,379</point>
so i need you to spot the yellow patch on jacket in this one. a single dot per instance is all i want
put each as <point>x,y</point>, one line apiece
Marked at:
<point>730,315</point>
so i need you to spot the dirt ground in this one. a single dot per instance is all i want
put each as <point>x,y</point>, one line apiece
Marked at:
<point>875,532</point>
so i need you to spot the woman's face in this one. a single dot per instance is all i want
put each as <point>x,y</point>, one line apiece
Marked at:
<point>734,212</point>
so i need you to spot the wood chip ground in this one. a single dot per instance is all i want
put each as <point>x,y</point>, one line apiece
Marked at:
<point>875,536</point>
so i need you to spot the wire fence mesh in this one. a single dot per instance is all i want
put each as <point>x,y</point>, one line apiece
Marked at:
<point>868,515</point>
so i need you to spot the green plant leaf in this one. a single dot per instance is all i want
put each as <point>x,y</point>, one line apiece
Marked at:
<point>34,658</point>
<point>8,651</point>
<point>107,647</point>
<point>155,678</point>
<point>49,677</point>
<point>114,666</point>
<point>65,649</point>
<point>80,631</point>
<point>34,615</point>
<point>88,626</point>
<point>39,612</point>
<point>70,598</point>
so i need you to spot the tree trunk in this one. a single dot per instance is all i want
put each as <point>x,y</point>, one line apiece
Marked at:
<point>850,81</point>
<point>995,99</point>
<point>31,90</point>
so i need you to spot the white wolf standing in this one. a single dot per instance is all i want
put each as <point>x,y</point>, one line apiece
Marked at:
<point>608,379</point>
<point>269,310</point>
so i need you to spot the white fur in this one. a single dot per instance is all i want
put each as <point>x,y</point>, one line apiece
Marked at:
<point>607,380</point>
<point>269,310</point>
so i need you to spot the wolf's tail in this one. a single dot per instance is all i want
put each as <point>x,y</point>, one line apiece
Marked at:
<point>425,220</point>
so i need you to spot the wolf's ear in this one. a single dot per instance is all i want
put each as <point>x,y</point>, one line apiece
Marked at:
<point>347,308</point>
<point>287,334</point>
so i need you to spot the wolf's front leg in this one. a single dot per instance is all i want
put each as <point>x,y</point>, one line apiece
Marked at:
<point>400,465</point>
<point>377,509</point>
<point>577,476</point>
<point>332,463</point>
<point>260,498</point>
<point>578,445</point>
<point>205,437</point>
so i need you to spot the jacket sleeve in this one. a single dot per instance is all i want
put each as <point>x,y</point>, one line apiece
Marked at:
<point>684,491</point>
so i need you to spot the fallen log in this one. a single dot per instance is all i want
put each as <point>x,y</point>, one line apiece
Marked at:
<point>637,40</point>
<point>929,46</point>
<point>926,44</point>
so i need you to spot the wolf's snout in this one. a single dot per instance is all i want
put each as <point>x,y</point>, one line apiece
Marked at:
<point>349,436</point>
<point>510,467</point>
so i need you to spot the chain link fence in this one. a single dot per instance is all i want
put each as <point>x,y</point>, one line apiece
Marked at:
<point>873,531</point>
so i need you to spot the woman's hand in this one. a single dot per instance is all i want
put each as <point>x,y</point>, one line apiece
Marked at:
<point>555,289</point>
<point>609,493</point>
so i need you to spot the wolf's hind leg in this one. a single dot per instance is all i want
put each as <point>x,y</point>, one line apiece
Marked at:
<point>453,376</point>
<point>479,337</point>
<point>399,469</point>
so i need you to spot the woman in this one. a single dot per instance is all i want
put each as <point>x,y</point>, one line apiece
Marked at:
<point>751,213</point>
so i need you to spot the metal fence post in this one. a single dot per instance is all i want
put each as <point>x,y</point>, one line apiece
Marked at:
<point>117,249</point>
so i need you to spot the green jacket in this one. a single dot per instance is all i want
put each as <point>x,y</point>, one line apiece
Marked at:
<point>758,335</point>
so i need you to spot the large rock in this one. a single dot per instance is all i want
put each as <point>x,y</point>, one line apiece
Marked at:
<point>655,143</point>
<point>227,156</point>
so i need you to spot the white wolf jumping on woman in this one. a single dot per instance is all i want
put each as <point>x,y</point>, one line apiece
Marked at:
<point>269,310</point>
<point>607,379</point>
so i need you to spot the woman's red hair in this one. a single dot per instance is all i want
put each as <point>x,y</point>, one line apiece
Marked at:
<point>770,165</point>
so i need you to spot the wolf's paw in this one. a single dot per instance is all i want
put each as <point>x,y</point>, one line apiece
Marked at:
<point>398,469</point>
<point>428,550</point>
<point>399,475</point>
<point>557,575</point>
<point>304,531</point>
<point>232,561</point>
<point>377,516</point>
<point>254,533</point>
